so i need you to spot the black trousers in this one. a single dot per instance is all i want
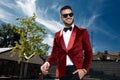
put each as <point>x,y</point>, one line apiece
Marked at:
<point>68,74</point>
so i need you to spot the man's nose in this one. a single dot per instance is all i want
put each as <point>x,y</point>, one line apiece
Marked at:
<point>68,16</point>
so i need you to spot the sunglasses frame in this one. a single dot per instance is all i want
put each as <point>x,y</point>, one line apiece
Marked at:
<point>66,15</point>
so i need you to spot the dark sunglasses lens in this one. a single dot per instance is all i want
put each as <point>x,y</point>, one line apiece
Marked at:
<point>65,15</point>
<point>71,14</point>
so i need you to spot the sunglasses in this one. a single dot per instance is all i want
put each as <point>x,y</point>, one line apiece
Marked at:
<point>66,15</point>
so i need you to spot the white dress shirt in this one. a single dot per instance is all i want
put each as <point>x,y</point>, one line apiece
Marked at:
<point>66,36</point>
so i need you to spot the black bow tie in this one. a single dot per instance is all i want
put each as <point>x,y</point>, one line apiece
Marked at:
<point>65,29</point>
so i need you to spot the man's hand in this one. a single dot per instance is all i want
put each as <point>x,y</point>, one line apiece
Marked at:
<point>81,73</point>
<point>44,68</point>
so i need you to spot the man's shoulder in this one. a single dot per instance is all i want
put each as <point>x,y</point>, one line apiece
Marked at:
<point>58,33</point>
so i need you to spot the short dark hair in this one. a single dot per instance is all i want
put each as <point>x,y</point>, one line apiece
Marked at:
<point>65,7</point>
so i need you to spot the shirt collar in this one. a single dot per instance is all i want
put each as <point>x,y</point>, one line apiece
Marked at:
<point>72,25</point>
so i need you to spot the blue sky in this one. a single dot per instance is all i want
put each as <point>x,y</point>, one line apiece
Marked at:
<point>100,17</point>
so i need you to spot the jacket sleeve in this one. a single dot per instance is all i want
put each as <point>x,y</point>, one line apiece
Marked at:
<point>87,50</point>
<point>54,54</point>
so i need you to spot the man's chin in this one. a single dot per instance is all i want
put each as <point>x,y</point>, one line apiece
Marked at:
<point>69,22</point>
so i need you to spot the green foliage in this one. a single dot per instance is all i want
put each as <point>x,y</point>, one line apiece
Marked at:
<point>102,56</point>
<point>7,35</point>
<point>31,38</point>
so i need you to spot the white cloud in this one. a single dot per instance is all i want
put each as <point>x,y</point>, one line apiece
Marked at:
<point>7,4</point>
<point>106,32</point>
<point>87,22</point>
<point>50,24</point>
<point>7,8</point>
<point>27,6</point>
<point>5,16</point>
<point>55,6</point>
<point>91,20</point>
<point>49,39</point>
<point>46,20</point>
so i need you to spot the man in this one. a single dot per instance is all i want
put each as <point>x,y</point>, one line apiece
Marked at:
<point>71,48</point>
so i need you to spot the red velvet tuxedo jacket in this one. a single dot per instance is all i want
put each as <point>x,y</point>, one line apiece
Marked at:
<point>79,50</point>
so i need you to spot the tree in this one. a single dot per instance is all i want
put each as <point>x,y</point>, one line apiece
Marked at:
<point>7,35</point>
<point>102,56</point>
<point>31,40</point>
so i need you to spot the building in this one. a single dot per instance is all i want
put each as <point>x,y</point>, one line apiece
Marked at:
<point>114,56</point>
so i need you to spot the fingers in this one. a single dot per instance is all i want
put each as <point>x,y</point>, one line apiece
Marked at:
<point>44,68</point>
<point>80,73</point>
<point>45,72</point>
<point>76,71</point>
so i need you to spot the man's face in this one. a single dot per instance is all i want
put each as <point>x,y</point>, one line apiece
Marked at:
<point>67,17</point>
